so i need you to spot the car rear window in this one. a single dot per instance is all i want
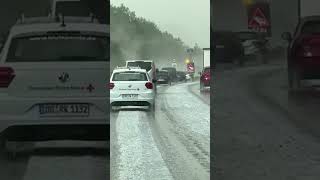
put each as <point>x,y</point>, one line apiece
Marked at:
<point>130,76</point>
<point>206,70</point>
<point>247,35</point>
<point>143,65</point>
<point>162,73</point>
<point>56,47</point>
<point>311,27</point>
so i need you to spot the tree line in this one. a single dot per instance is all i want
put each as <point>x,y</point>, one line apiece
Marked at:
<point>134,37</point>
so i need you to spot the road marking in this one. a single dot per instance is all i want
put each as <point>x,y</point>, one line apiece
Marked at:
<point>139,157</point>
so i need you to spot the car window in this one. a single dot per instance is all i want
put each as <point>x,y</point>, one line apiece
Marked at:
<point>163,73</point>
<point>46,48</point>
<point>247,35</point>
<point>130,76</point>
<point>206,70</point>
<point>311,27</point>
<point>144,65</point>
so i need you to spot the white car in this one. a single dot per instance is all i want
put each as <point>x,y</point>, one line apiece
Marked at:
<point>131,87</point>
<point>53,81</point>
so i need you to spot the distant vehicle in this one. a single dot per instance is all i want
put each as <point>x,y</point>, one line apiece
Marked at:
<point>164,77</point>
<point>55,79</point>
<point>303,52</point>
<point>206,58</point>
<point>148,65</point>
<point>181,76</point>
<point>249,41</point>
<point>205,78</point>
<point>172,72</point>
<point>227,48</point>
<point>132,87</point>
<point>205,74</point>
<point>188,77</point>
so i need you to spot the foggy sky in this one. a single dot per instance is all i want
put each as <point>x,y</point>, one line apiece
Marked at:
<point>187,19</point>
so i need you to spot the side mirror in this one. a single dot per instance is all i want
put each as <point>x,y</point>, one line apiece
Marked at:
<point>154,80</point>
<point>286,36</point>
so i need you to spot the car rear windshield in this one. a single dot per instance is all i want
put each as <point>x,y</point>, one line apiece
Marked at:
<point>247,35</point>
<point>51,48</point>
<point>73,8</point>
<point>312,27</point>
<point>162,73</point>
<point>130,76</point>
<point>143,65</point>
<point>206,70</point>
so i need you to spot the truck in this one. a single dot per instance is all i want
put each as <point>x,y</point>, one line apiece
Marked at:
<point>205,73</point>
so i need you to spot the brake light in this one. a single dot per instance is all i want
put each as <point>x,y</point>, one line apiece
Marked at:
<point>111,85</point>
<point>307,44</point>
<point>6,76</point>
<point>307,51</point>
<point>149,85</point>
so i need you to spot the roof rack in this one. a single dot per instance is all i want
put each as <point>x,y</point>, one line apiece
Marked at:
<point>128,67</point>
<point>60,18</point>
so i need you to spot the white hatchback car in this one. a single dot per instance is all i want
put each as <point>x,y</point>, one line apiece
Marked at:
<point>53,81</point>
<point>131,86</point>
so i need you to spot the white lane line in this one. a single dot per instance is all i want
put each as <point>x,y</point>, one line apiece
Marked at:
<point>139,157</point>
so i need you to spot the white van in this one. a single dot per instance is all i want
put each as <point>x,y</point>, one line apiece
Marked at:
<point>148,65</point>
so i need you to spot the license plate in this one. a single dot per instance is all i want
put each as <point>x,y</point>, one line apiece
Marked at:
<point>64,109</point>
<point>130,96</point>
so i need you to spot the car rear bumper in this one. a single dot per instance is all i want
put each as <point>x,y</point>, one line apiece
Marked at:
<point>19,129</point>
<point>310,67</point>
<point>144,99</point>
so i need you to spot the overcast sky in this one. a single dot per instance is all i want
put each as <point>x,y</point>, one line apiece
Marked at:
<point>187,19</point>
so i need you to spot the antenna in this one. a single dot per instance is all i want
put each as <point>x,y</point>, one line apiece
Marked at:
<point>63,22</point>
<point>92,17</point>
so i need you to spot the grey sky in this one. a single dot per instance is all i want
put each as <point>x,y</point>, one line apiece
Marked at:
<point>187,19</point>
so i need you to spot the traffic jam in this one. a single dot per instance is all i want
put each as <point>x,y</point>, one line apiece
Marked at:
<point>53,94</point>
<point>151,103</point>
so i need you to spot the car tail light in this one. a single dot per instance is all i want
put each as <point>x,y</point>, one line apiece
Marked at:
<point>111,85</point>
<point>309,45</point>
<point>149,85</point>
<point>6,76</point>
<point>307,51</point>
